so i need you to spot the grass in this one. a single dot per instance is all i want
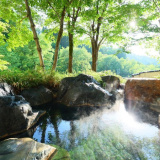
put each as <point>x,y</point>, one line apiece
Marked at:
<point>31,78</point>
<point>98,75</point>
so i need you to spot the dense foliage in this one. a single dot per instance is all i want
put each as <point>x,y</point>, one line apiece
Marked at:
<point>25,58</point>
<point>123,67</point>
<point>74,35</point>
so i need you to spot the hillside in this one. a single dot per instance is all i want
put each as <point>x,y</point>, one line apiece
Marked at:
<point>143,59</point>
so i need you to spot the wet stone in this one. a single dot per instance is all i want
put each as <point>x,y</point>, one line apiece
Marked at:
<point>16,115</point>
<point>83,90</point>
<point>37,96</point>
<point>25,148</point>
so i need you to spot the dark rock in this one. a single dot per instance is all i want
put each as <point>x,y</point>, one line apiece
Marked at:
<point>37,96</point>
<point>5,89</point>
<point>122,86</point>
<point>83,90</point>
<point>66,83</point>
<point>85,79</point>
<point>111,83</point>
<point>16,115</point>
<point>25,148</point>
<point>118,94</point>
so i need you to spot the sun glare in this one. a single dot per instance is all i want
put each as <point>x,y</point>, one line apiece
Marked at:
<point>128,122</point>
<point>133,24</point>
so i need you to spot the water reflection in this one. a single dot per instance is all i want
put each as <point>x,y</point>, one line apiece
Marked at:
<point>56,120</point>
<point>81,129</point>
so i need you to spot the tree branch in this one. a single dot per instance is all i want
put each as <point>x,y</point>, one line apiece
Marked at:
<point>99,22</point>
<point>105,8</point>
<point>73,12</point>
<point>23,18</point>
<point>101,41</point>
<point>79,8</point>
<point>156,5</point>
<point>53,9</point>
<point>70,1</point>
<point>97,7</point>
<point>93,30</point>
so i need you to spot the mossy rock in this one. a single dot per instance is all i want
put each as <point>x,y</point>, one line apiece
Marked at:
<point>61,154</point>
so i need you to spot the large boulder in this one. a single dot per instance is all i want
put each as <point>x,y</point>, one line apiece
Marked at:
<point>83,90</point>
<point>144,90</point>
<point>66,83</point>
<point>5,89</point>
<point>37,96</point>
<point>111,83</point>
<point>16,115</point>
<point>25,148</point>
<point>143,97</point>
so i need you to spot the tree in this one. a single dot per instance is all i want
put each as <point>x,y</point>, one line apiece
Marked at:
<point>3,64</point>
<point>64,42</point>
<point>111,51</point>
<point>59,39</point>
<point>109,62</point>
<point>34,34</point>
<point>3,31</point>
<point>105,21</point>
<point>16,33</point>
<point>73,12</point>
<point>14,14</point>
<point>147,24</point>
<point>56,13</point>
<point>26,57</point>
<point>123,67</point>
<point>81,60</point>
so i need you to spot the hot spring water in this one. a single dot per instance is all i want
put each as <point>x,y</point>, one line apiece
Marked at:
<point>103,135</point>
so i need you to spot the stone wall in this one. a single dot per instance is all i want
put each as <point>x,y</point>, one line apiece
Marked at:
<point>149,74</point>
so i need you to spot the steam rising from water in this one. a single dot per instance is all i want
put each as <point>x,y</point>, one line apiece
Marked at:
<point>117,116</point>
<point>109,134</point>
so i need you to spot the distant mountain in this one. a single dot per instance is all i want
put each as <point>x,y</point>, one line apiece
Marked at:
<point>143,59</point>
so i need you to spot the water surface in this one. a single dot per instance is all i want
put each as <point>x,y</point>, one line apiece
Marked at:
<point>100,135</point>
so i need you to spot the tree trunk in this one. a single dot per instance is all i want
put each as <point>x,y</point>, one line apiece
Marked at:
<point>34,34</point>
<point>94,63</point>
<point>70,52</point>
<point>43,127</point>
<point>72,132</point>
<point>54,121</point>
<point>60,33</point>
<point>95,50</point>
<point>71,28</point>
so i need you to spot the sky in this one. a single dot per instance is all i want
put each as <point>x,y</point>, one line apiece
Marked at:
<point>142,50</point>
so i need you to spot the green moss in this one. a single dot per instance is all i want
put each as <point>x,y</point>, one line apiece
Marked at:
<point>31,78</point>
<point>61,154</point>
<point>98,75</point>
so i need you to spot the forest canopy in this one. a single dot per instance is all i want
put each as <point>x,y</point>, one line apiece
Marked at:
<point>77,35</point>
